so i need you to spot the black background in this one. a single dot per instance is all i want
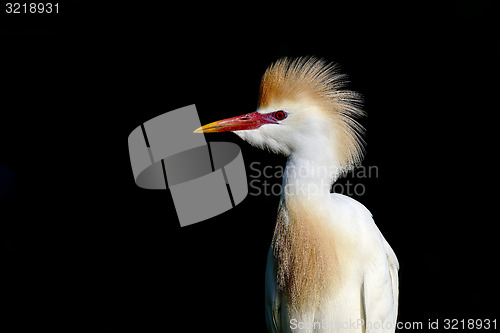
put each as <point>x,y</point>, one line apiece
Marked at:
<point>85,250</point>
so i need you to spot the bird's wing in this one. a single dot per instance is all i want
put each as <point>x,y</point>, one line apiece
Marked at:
<point>380,279</point>
<point>273,310</point>
<point>380,292</point>
<point>393,270</point>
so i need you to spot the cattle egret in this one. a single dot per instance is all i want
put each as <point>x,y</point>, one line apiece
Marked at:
<point>329,269</point>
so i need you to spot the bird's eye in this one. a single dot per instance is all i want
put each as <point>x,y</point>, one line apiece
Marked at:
<point>280,115</point>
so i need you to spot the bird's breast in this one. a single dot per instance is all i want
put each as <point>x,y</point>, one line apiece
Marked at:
<point>313,258</point>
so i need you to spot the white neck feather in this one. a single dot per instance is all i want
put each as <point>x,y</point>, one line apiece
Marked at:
<point>310,175</point>
<point>302,243</point>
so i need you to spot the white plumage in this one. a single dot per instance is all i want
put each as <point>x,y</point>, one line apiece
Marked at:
<point>329,269</point>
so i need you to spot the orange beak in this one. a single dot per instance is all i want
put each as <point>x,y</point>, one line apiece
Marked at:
<point>244,122</point>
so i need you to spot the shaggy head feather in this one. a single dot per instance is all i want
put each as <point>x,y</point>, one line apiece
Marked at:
<point>309,84</point>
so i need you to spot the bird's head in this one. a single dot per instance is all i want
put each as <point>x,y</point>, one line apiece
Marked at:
<point>303,109</point>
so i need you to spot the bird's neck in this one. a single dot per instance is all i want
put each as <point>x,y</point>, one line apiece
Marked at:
<point>302,242</point>
<point>309,176</point>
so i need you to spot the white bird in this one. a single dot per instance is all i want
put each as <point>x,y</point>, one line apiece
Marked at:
<point>329,268</point>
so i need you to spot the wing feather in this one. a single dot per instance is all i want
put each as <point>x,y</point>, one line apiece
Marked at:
<point>273,309</point>
<point>380,292</point>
